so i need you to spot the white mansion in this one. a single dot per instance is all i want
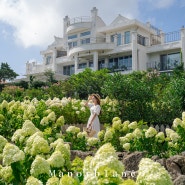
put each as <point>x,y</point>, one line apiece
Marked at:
<point>125,45</point>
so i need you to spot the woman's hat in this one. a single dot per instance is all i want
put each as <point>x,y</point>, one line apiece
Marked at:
<point>97,96</point>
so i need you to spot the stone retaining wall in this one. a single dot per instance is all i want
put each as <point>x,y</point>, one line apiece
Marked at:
<point>174,165</point>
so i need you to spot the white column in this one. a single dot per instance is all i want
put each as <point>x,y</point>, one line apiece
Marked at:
<point>106,62</point>
<point>95,60</point>
<point>134,51</point>
<point>76,63</point>
<point>183,44</point>
<point>54,60</point>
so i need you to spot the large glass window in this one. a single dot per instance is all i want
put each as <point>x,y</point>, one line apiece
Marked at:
<point>169,61</point>
<point>72,44</point>
<point>72,36</point>
<point>119,39</point>
<point>121,63</point>
<point>127,37</point>
<point>85,33</point>
<point>91,64</point>
<point>68,70</point>
<point>48,60</point>
<point>82,65</point>
<point>101,64</point>
<point>85,41</point>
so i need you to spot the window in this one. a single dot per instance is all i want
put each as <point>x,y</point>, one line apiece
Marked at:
<point>48,60</point>
<point>127,37</point>
<point>82,65</point>
<point>91,64</point>
<point>169,61</point>
<point>112,38</point>
<point>141,40</point>
<point>101,64</point>
<point>85,41</point>
<point>72,36</point>
<point>68,70</point>
<point>119,39</point>
<point>85,33</point>
<point>121,63</point>
<point>72,44</point>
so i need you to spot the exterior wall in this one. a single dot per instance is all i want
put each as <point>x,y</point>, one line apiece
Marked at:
<point>119,40</point>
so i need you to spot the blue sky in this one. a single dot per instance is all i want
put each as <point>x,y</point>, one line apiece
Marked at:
<point>28,26</point>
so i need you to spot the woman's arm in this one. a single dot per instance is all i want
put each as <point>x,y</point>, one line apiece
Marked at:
<point>89,98</point>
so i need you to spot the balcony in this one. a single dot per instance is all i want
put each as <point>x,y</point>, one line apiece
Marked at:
<point>164,42</point>
<point>78,24</point>
<point>92,44</point>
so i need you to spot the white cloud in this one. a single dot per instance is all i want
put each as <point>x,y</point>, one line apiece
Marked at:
<point>35,22</point>
<point>162,3</point>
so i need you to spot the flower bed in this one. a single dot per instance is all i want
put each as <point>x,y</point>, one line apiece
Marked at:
<point>33,150</point>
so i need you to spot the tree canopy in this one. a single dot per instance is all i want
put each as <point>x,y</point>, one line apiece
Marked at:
<point>6,73</point>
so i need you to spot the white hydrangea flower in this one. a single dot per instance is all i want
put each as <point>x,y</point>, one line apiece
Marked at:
<point>72,129</point>
<point>126,146</point>
<point>11,154</point>
<point>151,132</point>
<point>176,122</point>
<point>151,172</point>
<point>36,144</point>
<point>123,140</point>
<point>174,137</point>
<point>33,181</point>
<point>6,173</point>
<point>109,133</point>
<point>3,142</point>
<point>137,133</point>
<point>77,112</point>
<point>65,150</point>
<point>80,135</point>
<point>92,141</point>
<point>105,158</point>
<point>183,116</point>
<point>53,181</point>
<point>39,166</point>
<point>55,143</point>
<point>18,136</point>
<point>44,121</point>
<point>4,105</point>
<point>160,137</point>
<point>51,116</point>
<point>60,121</point>
<point>117,124</point>
<point>56,160</point>
<point>83,109</point>
<point>29,128</point>
<point>132,125</point>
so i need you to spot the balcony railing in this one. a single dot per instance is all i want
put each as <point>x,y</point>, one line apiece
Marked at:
<point>79,20</point>
<point>162,66</point>
<point>172,36</point>
<point>165,38</point>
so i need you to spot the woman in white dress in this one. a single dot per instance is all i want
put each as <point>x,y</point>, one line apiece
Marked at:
<point>95,109</point>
